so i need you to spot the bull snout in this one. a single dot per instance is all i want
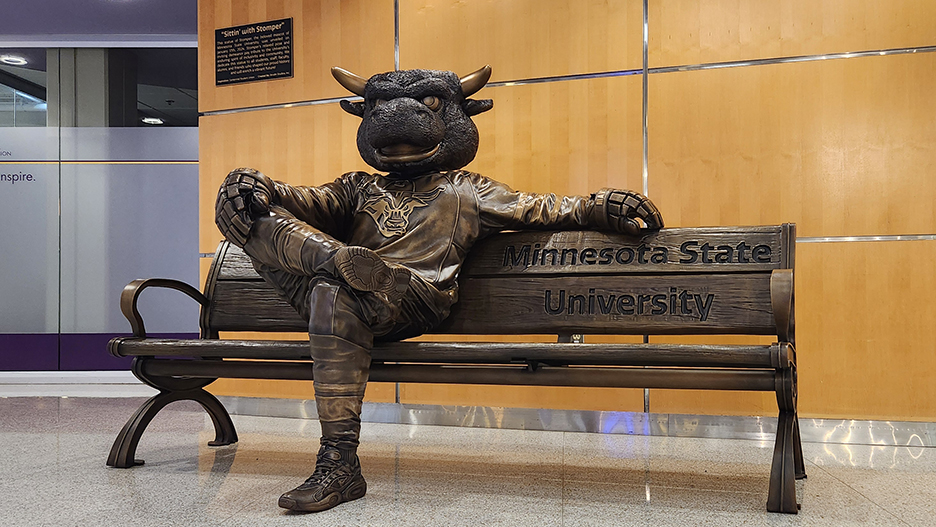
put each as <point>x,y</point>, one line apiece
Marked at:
<point>404,121</point>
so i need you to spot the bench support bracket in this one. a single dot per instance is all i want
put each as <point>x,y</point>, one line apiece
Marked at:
<point>122,454</point>
<point>788,464</point>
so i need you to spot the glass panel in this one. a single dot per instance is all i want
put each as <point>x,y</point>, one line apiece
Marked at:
<point>29,284</point>
<point>145,143</point>
<point>23,92</point>
<point>29,110</point>
<point>87,206</point>
<point>29,216</point>
<point>7,98</point>
<point>122,222</point>
<point>167,85</point>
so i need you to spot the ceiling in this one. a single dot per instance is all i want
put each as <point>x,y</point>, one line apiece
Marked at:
<point>99,23</point>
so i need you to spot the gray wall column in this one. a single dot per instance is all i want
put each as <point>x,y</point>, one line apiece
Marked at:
<point>92,87</point>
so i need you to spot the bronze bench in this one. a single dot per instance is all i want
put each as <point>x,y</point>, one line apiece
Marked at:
<point>727,280</point>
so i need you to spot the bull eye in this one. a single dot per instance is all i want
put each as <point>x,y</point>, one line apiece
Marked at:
<point>433,102</point>
<point>378,102</point>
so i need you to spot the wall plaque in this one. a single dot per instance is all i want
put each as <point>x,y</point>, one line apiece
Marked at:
<point>254,52</point>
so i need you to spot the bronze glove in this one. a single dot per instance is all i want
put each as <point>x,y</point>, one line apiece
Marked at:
<point>624,211</point>
<point>244,195</point>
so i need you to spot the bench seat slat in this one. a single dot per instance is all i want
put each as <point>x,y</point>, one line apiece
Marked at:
<point>735,304</point>
<point>676,378</point>
<point>237,265</point>
<point>252,306</point>
<point>591,252</point>
<point>461,352</point>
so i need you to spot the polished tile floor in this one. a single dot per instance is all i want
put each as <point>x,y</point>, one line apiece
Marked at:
<point>52,473</point>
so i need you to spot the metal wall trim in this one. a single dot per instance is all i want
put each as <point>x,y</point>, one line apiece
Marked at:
<point>872,238</point>
<point>832,431</point>
<point>103,162</point>
<point>279,106</point>
<point>499,84</point>
<point>559,78</point>
<point>796,58</point>
<point>611,74</point>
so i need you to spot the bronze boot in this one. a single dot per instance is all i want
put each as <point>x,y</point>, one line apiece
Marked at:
<point>364,270</point>
<point>339,344</point>
<point>337,478</point>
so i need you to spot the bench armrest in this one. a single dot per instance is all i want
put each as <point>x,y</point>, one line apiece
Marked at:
<point>128,299</point>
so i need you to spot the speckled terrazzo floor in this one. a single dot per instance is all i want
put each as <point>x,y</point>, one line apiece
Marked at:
<point>52,473</point>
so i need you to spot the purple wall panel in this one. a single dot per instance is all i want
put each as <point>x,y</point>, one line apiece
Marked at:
<point>29,352</point>
<point>80,351</point>
<point>88,351</point>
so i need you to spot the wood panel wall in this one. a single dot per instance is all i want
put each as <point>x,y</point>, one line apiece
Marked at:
<point>522,39</point>
<point>705,31</point>
<point>841,147</point>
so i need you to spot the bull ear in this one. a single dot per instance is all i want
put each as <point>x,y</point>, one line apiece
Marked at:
<point>474,107</point>
<point>473,82</point>
<point>354,108</point>
<point>350,81</point>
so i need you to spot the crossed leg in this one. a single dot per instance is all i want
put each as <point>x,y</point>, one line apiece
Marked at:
<point>348,294</point>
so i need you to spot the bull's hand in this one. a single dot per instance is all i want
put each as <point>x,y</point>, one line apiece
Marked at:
<point>625,211</point>
<point>245,194</point>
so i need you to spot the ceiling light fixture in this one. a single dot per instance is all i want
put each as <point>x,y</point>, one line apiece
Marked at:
<point>13,60</point>
<point>153,120</point>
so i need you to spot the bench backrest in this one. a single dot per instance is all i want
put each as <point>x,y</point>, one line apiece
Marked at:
<point>719,280</point>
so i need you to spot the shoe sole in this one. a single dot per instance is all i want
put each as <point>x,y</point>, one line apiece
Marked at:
<point>364,270</point>
<point>355,490</point>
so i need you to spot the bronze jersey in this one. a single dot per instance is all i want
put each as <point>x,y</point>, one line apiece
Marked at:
<point>427,223</point>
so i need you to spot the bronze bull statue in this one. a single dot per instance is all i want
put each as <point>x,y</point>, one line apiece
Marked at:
<point>377,256</point>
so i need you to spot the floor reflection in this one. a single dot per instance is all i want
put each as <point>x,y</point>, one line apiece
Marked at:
<point>431,475</point>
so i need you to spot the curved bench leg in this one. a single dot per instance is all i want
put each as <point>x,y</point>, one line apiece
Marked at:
<point>122,454</point>
<point>800,464</point>
<point>788,454</point>
<point>224,427</point>
<point>782,494</point>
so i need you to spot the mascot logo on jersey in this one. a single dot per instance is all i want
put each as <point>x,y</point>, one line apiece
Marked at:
<point>391,212</point>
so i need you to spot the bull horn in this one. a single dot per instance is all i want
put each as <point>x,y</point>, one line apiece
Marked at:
<point>350,81</point>
<point>473,82</point>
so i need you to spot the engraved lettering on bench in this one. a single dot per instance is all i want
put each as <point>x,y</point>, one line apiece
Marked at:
<point>692,252</point>
<point>528,255</point>
<point>677,303</point>
<point>706,253</point>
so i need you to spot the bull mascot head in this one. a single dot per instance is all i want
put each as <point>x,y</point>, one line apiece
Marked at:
<point>416,122</point>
